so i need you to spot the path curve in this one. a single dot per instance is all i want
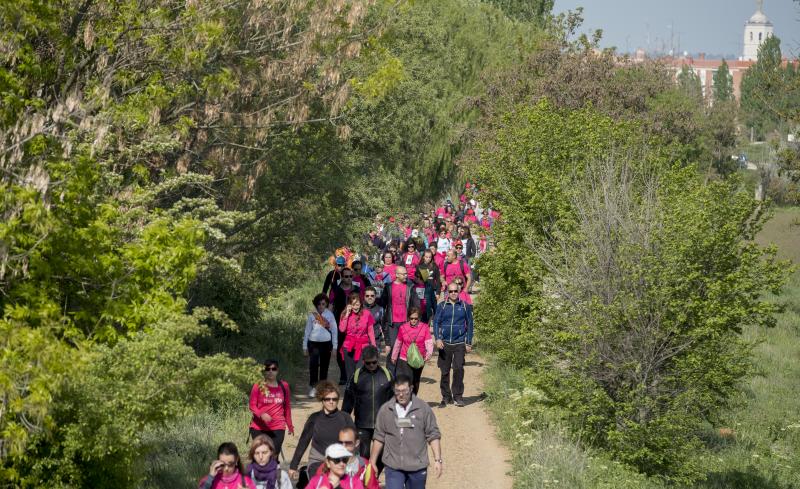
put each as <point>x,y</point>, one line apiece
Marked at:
<point>473,455</point>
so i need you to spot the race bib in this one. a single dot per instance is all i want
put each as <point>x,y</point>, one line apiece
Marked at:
<point>420,293</point>
<point>409,259</point>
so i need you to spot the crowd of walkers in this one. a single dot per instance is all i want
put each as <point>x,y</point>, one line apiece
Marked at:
<point>411,303</point>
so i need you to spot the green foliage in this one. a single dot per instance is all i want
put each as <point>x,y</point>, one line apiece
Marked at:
<point>620,283</point>
<point>769,95</point>
<point>536,11</point>
<point>723,83</point>
<point>689,83</point>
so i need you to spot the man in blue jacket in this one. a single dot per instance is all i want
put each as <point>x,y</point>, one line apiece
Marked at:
<point>452,328</point>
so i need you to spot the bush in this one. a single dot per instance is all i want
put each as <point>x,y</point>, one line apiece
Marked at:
<point>621,283</point>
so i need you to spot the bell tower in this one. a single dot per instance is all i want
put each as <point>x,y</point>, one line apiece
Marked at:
<point>756,31</point>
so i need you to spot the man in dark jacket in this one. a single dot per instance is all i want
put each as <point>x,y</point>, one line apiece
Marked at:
<point>398,297</point>
<point>453,330</point>
<point>367,390</point>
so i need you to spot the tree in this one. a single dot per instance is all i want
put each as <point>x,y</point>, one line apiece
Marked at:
<point>723,83</point>
<point>689,83</point>
<point>621,283</point>
<point>526,10</point>
<point>761,89</point>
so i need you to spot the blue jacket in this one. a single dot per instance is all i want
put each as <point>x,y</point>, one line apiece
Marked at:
<point>453,323</point>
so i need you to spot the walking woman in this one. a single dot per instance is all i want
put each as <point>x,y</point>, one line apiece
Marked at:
<point>319,340</point>
<point>334,473</point>
<point>413,332</point>
<point>226,472</point>
<point>271,405</point>
<point>358,326</point>
<point>388,264</point>
<point>428,274</point>
<point>321,429</point>
<point>263,468</point>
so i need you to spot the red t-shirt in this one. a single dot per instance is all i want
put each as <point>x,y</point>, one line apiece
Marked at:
<point>399,312</point>
<point>272,404</point>
<point>390,269</point>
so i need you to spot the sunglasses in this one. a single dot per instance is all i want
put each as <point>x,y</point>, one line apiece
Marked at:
<point>453,291</point>
<point>271,369</point>
<point>340,460</point>
<point>330,399</point>
<point>347,276</point>
<point>374,362</point>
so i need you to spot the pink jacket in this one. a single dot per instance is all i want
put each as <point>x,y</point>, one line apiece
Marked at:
<point>359,331</point>
<point>407,334</point>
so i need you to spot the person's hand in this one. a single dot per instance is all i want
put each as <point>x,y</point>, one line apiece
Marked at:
<point>438,468</point>
<point>348,308</point>
<point>293,474</point>
<point>305,353</point>
<point>291,431</point>
<point>266,418</point>
<point>215,468</point>
<point>387,350</point>
<point>469,348</point>
<point>440,344</point>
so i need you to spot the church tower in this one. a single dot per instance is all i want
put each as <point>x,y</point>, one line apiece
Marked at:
<point>756,31</point>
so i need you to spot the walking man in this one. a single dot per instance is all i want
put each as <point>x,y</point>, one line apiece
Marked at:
<point>398,297</point>
<point>403,430</point>
<point>367,390</point>
<point>453,329</point>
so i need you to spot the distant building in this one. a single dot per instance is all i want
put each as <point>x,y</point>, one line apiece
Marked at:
<point>756,30</point>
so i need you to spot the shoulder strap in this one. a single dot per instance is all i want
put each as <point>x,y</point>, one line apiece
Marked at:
<point>355,375</point>
<point>386,371</point>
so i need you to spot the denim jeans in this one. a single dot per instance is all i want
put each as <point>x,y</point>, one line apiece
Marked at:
<point>403,479</point>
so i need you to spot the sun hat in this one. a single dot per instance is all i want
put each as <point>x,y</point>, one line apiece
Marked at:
<point>337,450</point>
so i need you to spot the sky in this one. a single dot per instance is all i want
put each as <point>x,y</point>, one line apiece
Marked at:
<point>714,27</point>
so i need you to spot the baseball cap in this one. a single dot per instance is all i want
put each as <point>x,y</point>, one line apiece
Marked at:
<point>337,450</point>
<point>340,260</point>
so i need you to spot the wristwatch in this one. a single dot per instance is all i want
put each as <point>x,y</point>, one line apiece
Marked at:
<point>440,461</point>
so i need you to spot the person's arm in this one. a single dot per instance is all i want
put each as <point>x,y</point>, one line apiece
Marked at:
<point>307,333</point>
<point>302,443</point>
<point>398,345</point>
<point>438,463</point>
<point>288,402</point>
<point>370,328</point>
<point>343,320</point>
<point>334,336</point>
<point>255,394</point>
<point>414,299</point>
<point>468,278</point>
<point>470,327</point>
<point>375,452</point>
<point>428,342</point>
<point>328,279</point>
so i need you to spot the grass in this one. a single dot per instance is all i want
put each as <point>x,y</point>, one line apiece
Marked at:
<point>762,453</point>
<point>180,453</point>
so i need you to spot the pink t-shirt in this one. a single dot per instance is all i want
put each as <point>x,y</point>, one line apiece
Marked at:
<point>390,269</point>
<point>399,312</point>
<point>457,269</point>
<point>271,403</point>
<point>465,297</point>
<point>410,261</point>
<point>407,334</point>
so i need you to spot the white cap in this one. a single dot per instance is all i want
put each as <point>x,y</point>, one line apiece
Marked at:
<point>337,450</point>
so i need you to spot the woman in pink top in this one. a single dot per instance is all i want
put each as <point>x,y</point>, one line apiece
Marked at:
<point>271,405</point>
<point>227,471</point>
<point>388,264</point>
<point>411,259</point>
<point>357,325</point>
<point>410,332</point>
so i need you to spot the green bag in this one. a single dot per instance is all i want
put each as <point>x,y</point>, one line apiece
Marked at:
<point>414,358</point>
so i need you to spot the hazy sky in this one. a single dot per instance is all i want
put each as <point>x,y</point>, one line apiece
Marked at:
<point>709,26</point>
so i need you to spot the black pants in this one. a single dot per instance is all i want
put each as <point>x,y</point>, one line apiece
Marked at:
<point>393,329</point>
<point>365,444</point>
<point>452,356</point>
<point>277,437</point>
<point>430,302</point>
<point>319,357</point>
<point>415,373</point>
<point>350,363</point>
<point>340,360</point>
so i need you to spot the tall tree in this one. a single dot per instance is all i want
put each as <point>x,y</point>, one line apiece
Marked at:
<point>689,83</point>
<point>526,10</point>
<point>723,83</point>
<point>762,89</point>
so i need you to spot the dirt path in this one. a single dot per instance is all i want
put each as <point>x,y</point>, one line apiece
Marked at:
<point>473,456</point>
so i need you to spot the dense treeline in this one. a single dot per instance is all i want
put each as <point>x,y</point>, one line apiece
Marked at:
<point>624,271</point>
<point>167,166</point>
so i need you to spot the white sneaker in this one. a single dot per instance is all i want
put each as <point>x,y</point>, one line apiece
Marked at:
<point>312,392</point>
